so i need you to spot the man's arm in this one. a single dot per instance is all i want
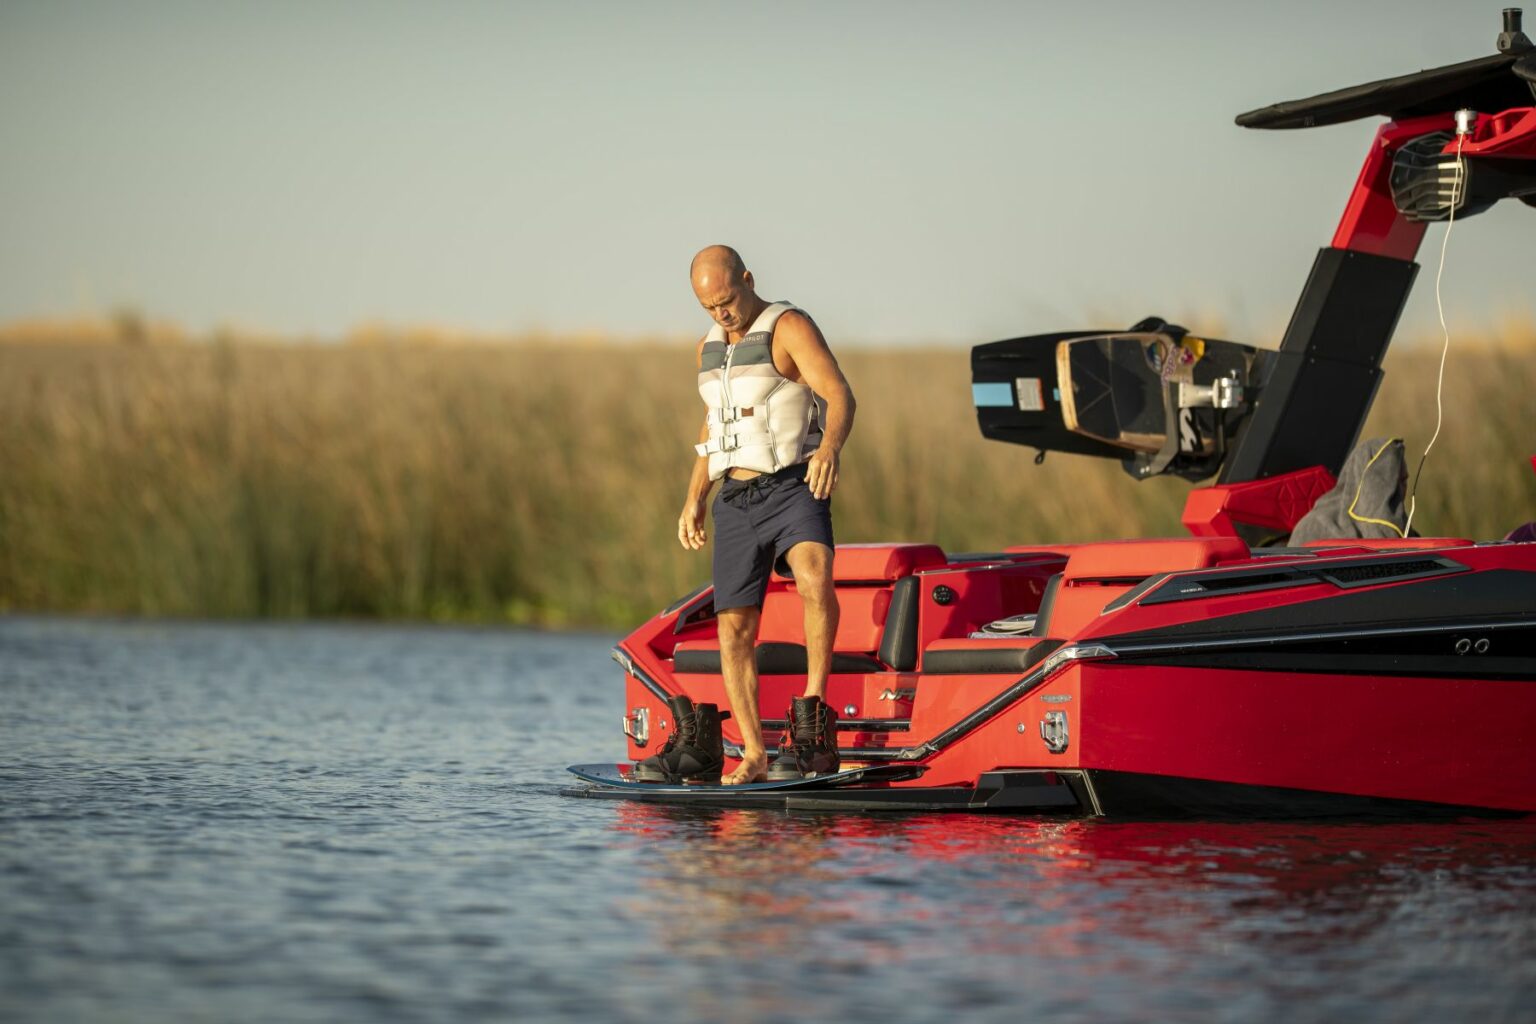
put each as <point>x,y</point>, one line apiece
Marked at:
<point>811,362</point>
<point>690,525</point>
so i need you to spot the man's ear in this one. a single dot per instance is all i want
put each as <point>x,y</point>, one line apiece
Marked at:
<point>746,279</point>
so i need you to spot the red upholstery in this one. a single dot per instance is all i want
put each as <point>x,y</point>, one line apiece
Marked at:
<point>882,562</point>
<point>1275,503</point>
<point>774,657</point>
<point>860,622</point>
<point>1138,559</point>
<point>859,625</point>
<point>862,608</point>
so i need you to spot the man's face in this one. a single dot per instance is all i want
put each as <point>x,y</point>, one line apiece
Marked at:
<point>726,300</point>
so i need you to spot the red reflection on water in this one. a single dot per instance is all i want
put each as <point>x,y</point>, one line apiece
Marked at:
<point>905,886</point>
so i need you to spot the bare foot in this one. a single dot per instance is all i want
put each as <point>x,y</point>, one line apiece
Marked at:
<point>748,772</point>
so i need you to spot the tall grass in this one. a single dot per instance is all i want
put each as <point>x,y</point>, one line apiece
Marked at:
<point>541,481</point>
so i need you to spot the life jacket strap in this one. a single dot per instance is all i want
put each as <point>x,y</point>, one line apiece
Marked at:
<point>730,414</point>
<point>730,442</point>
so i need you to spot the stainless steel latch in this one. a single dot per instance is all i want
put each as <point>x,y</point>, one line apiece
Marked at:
<point>1053,730</point>
<point>637,725</point>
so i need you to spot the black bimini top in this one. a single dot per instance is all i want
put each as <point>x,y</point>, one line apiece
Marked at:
<point>1487,84</point>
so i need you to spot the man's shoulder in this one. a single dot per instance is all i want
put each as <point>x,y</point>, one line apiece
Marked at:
<point>795,325</point>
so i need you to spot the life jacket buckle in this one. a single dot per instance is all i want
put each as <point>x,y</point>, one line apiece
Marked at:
<point>734,413</point>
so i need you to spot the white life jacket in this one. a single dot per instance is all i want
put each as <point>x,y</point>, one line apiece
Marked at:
<point>758,419</point>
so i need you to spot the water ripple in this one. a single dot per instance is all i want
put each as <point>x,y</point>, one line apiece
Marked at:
<point>336,823</point>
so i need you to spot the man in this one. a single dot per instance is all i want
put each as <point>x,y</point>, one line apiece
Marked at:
<point>779,412</point>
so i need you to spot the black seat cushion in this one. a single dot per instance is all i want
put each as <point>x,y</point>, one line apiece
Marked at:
<point>983,659</point>
<point>1047,602</point>
<point>898,644</point>
<point>774,658</point>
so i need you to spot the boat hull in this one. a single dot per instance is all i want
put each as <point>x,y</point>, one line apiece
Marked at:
<point>1172,679</point>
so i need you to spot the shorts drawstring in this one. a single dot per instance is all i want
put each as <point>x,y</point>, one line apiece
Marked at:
<point>752,492</point>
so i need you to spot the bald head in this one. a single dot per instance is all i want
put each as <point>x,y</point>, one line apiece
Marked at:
<point>724,287</point>
<point>716,264</point>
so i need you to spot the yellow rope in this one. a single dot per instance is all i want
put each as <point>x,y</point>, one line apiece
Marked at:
<point>1367,519</point>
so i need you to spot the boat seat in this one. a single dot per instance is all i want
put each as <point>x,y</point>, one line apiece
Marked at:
<point>877,596</point>
<point>861,618</point>
<point>880,563</point>
<point>774,658</point>
<point>973,656</point>
<point>1138,559</point>
<point>855,648</point>
<point>876,630</point>
<point>1096,574</point>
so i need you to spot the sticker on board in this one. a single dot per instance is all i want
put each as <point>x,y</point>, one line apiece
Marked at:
<point>1031,394</point>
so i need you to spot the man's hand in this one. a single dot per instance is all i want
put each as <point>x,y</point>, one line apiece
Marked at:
<point>690,526</point>
<point>821,473</point>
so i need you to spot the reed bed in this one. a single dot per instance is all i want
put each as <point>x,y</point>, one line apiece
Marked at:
<point>528,483</point>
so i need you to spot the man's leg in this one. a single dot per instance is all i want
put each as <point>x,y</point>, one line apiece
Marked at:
<point>812,566</point>
<point>738,664</point>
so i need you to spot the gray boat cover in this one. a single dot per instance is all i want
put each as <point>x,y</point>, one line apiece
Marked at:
<point>1368,499</point>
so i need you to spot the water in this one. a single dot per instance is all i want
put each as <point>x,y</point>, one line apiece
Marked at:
<point>340,823</point>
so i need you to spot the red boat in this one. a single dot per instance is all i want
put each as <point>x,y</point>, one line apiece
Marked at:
<point>1206,675</point>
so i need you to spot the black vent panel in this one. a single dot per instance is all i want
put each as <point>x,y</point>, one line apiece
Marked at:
<point>1362,574</point>
<point>1344,574</point>
<point>1258,581</point>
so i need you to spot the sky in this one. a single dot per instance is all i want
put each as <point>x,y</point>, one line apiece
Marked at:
<point>908,172</point>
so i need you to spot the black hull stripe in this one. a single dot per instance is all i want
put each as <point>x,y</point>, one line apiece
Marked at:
<point>1457,650</point>
<point>1493,596</point>
<point>1138,795</point>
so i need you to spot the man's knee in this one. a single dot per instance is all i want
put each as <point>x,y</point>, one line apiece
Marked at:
<point>812,566</point>
<point>737,629</point>
<point>818,594</point>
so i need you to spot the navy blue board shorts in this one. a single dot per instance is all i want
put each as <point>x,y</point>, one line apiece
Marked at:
<point>756,522</point>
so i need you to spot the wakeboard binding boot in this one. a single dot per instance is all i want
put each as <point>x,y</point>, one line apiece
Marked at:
<point>809,746</point>
<point>694,754</point>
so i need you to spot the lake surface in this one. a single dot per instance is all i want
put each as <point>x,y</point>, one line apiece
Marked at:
<point>346,823</point>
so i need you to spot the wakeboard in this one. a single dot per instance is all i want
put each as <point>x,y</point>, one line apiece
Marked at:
<point>616,781</point>
<point>622,775</point>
